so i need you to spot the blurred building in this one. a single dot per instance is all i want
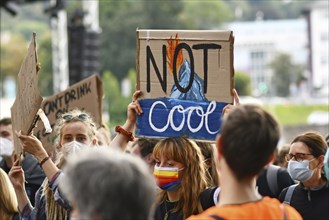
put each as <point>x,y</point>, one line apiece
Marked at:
<point>258,42</point>
<point>317,16</point>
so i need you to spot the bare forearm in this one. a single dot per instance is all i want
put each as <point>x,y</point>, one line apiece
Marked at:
<point>121,141</point>
<point>48,166</point>
<point>22,198</point>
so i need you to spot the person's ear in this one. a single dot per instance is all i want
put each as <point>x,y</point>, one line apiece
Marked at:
<point>321,161</point>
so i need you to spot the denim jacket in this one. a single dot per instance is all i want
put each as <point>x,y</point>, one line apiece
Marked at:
<point>39,210</point>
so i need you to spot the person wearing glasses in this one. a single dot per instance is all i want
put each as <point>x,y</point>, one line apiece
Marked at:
<point>75,131</point>
<point>310,196</point>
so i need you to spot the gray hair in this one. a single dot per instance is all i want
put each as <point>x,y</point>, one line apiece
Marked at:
<point>109,184</point>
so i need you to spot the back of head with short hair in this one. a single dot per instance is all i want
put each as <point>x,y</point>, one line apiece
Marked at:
<point>108,184</point>
<point>249,136</point>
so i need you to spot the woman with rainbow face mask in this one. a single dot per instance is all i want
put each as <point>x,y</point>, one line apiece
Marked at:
<point>306,159</point>
<point>75,131</point>
<point>180,174</point>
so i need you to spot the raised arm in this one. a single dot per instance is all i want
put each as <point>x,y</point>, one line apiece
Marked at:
<point>236,102</point>
<point>17,178</point>
<point>121,139</point>
<point>33,145</point>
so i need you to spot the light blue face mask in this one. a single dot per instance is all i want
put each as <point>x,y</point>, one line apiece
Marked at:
<point>300,170</point>
<point>326,164</point>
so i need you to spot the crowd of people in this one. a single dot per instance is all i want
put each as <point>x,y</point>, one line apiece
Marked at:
<point>242,175</point>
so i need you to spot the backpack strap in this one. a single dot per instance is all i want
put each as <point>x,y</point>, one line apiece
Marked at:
<point>272,179</point>
<point>216,217</point>
<point>216,196</point>
<point>289,193</point>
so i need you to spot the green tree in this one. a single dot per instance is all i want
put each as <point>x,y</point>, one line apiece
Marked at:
<point>14,52</point>
<point>205,14</point>
<point>162,14</point>
<point>285,73</point>
<point>30,18</point>
<point>118,38</point>
<point>242,83</point>
<point>12,55</point>
<point>132,77</point>
<point>118,52</point>
<point>114,104</point>
<point>45,59</point>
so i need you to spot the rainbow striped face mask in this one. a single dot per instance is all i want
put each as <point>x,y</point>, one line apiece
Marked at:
<point>167,177</point>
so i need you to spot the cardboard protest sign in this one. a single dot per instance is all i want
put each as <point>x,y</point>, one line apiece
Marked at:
<point>86,95</point>
<point>28,99</point>
<point>186,78</point>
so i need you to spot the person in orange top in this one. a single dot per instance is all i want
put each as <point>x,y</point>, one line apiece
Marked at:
<point>249,136</point>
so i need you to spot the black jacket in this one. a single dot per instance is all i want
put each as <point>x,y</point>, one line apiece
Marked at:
<point>310,203</point>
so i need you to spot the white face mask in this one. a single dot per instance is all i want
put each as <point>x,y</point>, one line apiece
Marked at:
<point>73,147</point>
<point>300,170</point>
<point>6,147</point>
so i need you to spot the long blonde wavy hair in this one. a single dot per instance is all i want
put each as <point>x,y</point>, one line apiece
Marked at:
<point>193,179</point>
<point>53,210</point>
<point>8,201</point>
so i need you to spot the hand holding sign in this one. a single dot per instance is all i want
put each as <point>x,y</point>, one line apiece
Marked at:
<point>186,77</point>
<point>122,139</point>
<point>32,145</point>
<point>133,109</point>
<point>16,175</point>
<point>236,102</point>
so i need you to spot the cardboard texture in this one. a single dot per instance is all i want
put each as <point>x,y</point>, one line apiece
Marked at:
<point>189,68</point>
<point>28,99</point>
<point>86,95</point>
<point>219,64</point>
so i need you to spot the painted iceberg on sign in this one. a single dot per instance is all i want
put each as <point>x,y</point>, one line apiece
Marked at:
<point>196,92</point>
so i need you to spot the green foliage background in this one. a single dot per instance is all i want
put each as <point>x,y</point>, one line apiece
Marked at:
<point>242,83</point>
<point>291,114</point>
<point>285,73</point>
<point>119,21</point>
